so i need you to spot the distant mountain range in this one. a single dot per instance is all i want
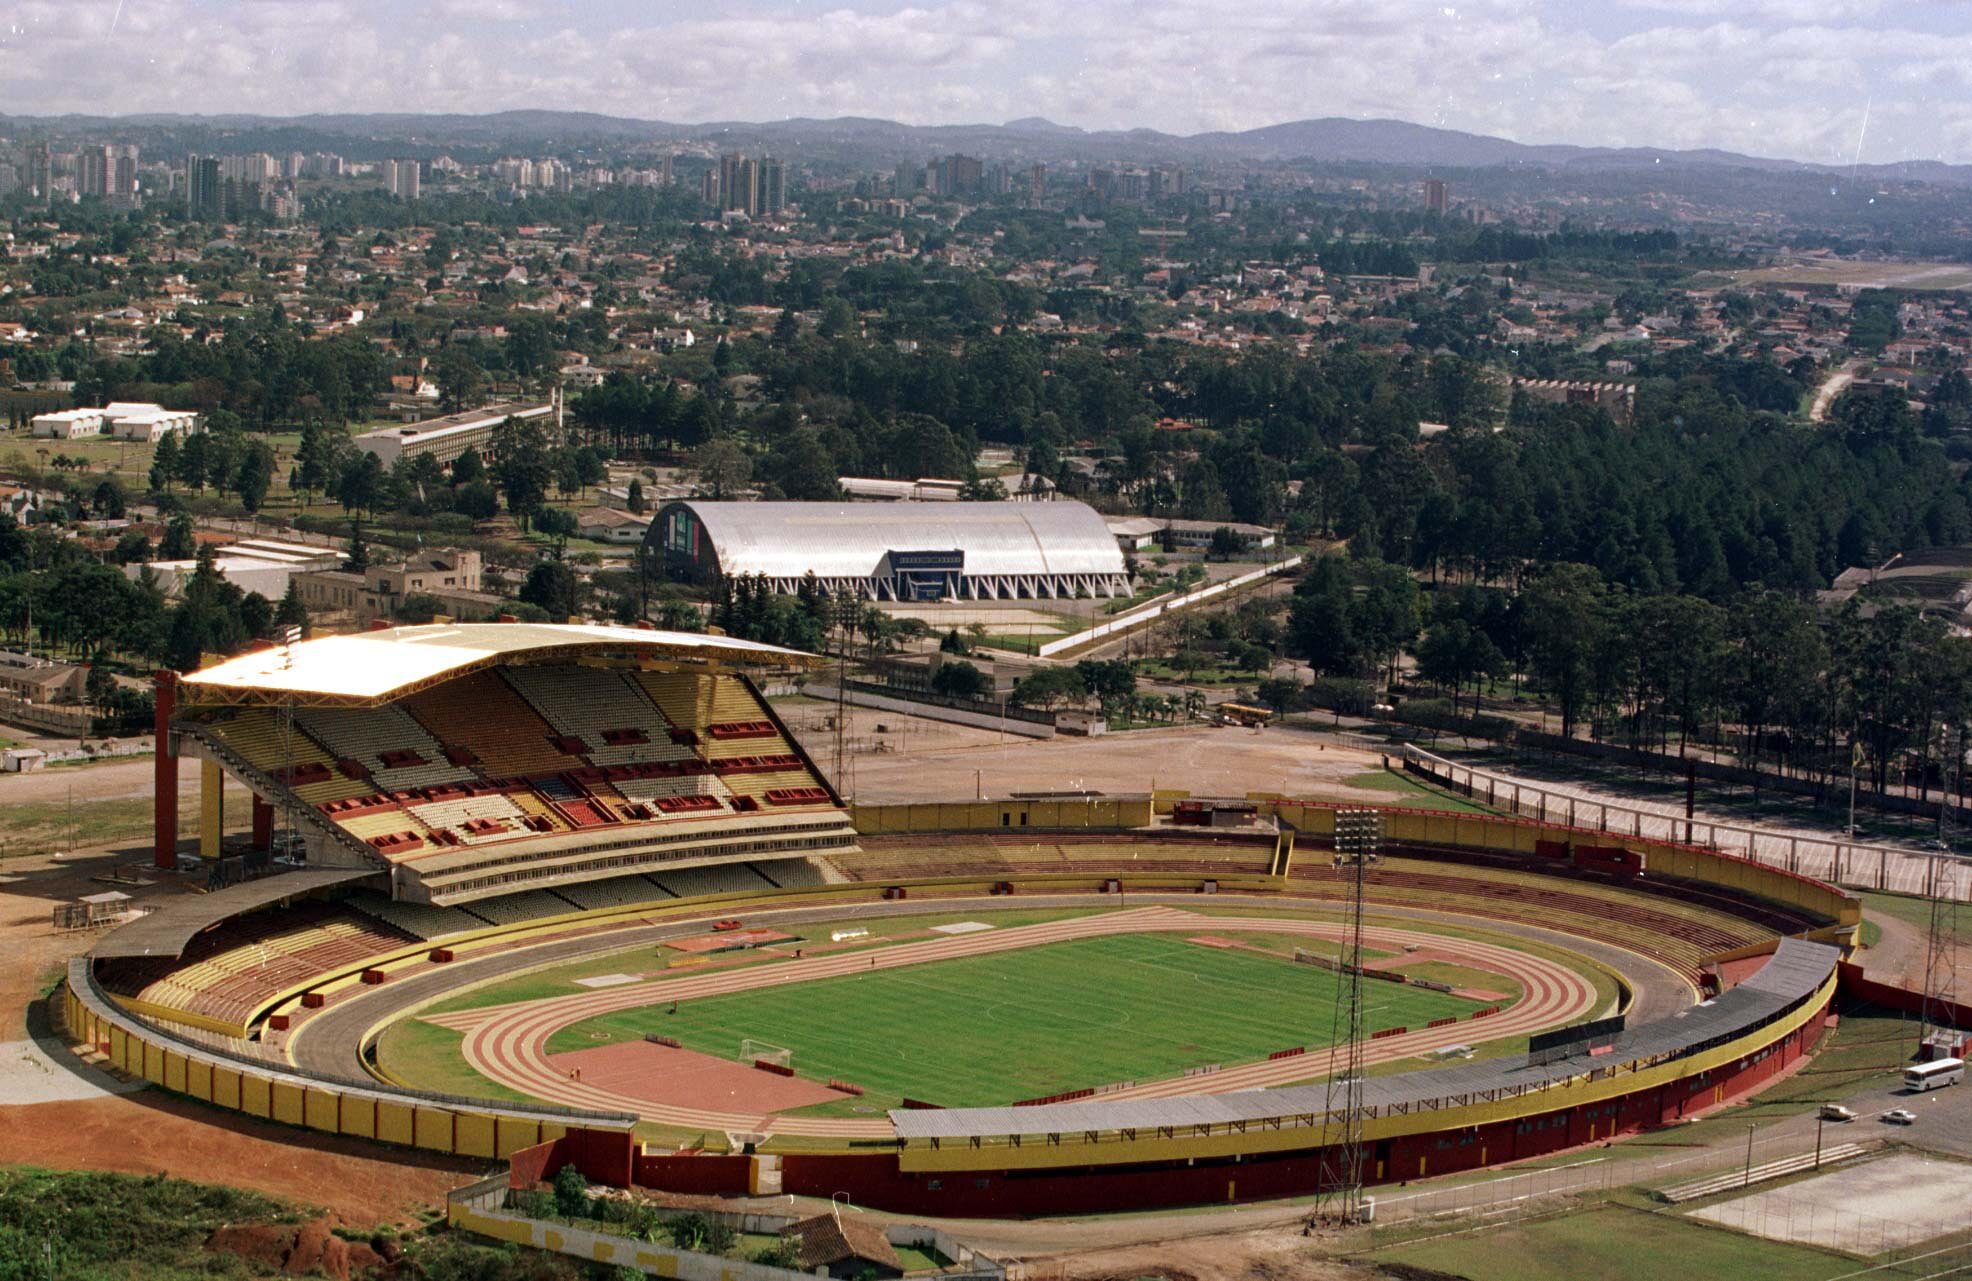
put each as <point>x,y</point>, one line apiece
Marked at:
<point>1331,139</point>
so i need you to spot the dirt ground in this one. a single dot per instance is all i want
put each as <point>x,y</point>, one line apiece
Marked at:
<point>150,1132</point>
<point>1280,1254</point>
<point>153,1133</point>
<point>910,759</point>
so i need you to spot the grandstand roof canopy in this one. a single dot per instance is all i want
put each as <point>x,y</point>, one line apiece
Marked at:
<point>168,930</point>
<point>850,540</point>
<point>366,668</point>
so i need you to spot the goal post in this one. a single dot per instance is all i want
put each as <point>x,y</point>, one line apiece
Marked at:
<point>754,1051</point>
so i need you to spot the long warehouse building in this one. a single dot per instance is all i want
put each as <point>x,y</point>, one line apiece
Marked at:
<point>901,551</point>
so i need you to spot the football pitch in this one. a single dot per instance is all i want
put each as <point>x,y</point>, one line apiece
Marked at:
<point>989,1030</point>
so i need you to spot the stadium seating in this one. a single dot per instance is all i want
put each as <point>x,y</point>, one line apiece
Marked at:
<point>528,905</point>
<point>229,972</point>
<point>484,715</point>
<point>398,752</point>
<point>617,891</point>
<point>790,873</point>
<point>419,920</point>
<point>695,882</point>
<point>263,739</point>
<point>594,705</point>
<point>473,819</point>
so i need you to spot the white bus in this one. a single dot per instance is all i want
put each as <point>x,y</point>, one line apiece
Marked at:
<point>1934,1075</point>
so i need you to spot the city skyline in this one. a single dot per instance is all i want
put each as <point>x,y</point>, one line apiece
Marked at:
<point>1826,82</point>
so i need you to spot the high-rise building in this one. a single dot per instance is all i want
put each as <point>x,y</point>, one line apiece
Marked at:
<point>204,195</point>
<point>772,188</point>
<point>739,184</point>
<point>1437,195</point>
<point>708,187</point>
<point>400,178</point>
<point>93,172</point>
<point>664,172</point>
<point>1037,183</point>
<point>40,172</point>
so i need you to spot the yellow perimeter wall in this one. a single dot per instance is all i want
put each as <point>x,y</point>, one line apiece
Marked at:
<point>461,1131</point>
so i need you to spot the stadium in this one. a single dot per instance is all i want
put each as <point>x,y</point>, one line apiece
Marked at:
<point>901,551</point>
<point>576,895</point>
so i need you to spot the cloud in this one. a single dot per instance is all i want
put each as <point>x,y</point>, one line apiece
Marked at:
<point>1777,77</point>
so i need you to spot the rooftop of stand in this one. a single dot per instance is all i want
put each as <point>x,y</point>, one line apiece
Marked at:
<point>367,668</point>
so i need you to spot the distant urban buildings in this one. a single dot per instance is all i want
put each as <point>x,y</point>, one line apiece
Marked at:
<point>1437,195</point>
<point>400,178</point>
<point>744,184</point>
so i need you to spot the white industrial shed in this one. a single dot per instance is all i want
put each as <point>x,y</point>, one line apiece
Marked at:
<point>900,551</point>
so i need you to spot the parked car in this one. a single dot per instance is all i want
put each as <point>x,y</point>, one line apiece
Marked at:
<point>728,924</point>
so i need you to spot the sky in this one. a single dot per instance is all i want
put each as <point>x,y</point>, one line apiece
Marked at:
<point>1829,81</point>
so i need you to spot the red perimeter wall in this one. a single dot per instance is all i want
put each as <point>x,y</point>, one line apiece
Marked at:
<point>876,1180</point>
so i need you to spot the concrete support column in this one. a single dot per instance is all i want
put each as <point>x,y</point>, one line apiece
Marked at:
<point>164,786</point>
<point>212,807</point>
<point>263,824</point>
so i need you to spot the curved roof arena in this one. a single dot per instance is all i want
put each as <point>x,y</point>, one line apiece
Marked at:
<point>850,540</point>
<point>374,667</point>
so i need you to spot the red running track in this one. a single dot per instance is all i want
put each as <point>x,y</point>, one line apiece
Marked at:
<point>508,1043</point>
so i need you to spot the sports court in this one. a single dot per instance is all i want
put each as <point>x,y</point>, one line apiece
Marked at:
<point>660,1074</point>
<point>730,941</point>
<point>1864,1209</point>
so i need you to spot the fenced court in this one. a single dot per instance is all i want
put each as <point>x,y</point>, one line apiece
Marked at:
<point>1891,1204</point>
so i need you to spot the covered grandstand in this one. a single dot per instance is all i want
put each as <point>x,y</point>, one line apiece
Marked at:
<point>459,762</point>
<point>902,551</point>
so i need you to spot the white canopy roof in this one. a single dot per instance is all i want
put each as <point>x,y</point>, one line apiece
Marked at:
<point>369,667</point>
<point>850,540</point>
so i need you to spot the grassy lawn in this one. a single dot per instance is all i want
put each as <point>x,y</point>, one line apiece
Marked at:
<point>1615,1245</point>
<point>1405,791</point>
<point>1912,911</point>
<point>559,980</point>
<point>993,1029</point>
<point>38,827</point>
<point>424,1056</point>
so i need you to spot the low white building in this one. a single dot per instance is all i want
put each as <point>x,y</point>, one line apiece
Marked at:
<point>68,424</point>
<point>261,565</point>
<point>123,419</point>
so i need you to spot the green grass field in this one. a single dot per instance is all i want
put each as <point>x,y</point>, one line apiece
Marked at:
<point>1615,1244</point>
<point>990,1030</point>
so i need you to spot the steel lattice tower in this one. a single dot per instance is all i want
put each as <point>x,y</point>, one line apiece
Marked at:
<point>1358,836</point>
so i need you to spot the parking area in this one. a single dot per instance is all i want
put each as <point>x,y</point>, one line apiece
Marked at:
<point>1888,1204</point>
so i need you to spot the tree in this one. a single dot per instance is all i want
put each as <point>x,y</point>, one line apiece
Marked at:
<point>468,467</point>
<point>571,1193</point>
<point>634,499</point>
<point>178,542</point>
<point>459,379</point>
<point>107,500</point>
<point>357,558</point>
<point>291,612</point>
<point>1227,543</point>
<point>1046,686</point>
<point>557,523</point>
<point>255,474</point>
<point>552,586</point>
<point>1282,693</point>
<point>956,678</point>
<point>476,500</point>
<point>523,470</point>
<point>1454,654</point>
<point>1568,613</point>
<point>723,468</point>
<point>954,643</point>
<point>164,464</point>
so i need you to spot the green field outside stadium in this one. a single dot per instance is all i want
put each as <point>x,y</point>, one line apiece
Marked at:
<point>987,1030</point>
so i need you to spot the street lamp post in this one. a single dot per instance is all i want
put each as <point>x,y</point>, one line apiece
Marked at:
<point>1747,1180</point>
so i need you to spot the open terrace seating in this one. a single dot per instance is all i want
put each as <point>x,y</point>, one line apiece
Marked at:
<point>229,972</point>
<point>605,711</point>
<point>266,741</point>
<point>419,920</point>
<point>617,891</point>
<point>723,878</point>
<point>528,905</point>
<point>482,714</point>
<point>398,753</point>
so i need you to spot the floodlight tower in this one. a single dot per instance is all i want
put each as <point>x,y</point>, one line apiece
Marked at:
<point>1941,1035</point>
<point>1339,1196</point>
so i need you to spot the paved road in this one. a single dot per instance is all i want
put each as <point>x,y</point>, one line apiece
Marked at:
<point>1805,849</point>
